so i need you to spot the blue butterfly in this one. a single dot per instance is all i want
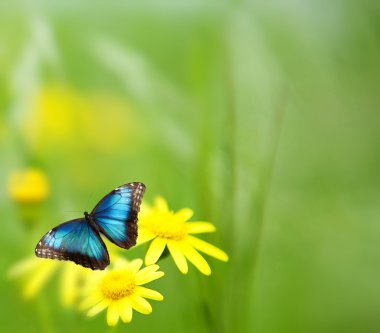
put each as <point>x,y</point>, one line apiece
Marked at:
<point>115,216</point>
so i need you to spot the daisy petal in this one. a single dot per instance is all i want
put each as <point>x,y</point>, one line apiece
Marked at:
<point>161,204</point>
<point>148,270</point>
<point>199,227</point>
<point>98,308</point>
<point>90,301</point>
<point>23,266</point>
<point>149,293</point>
<point>183,214</point>
<point>177,255</point>
<point>195,258</point>
<point>122,264</point>
<point>144,236</point>
<point>148,277</point>
<point>39,278</point>
<point>113,313</point>
<point>207,248</point>
<point>147,274</point>
<point>140,304</point>
<point>125,310</point>
<point>68,284</point>
<point>145,209</point>
<point>155,250</point>
<point>135,265</point>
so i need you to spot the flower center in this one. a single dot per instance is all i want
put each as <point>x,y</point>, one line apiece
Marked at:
<point>116,285</point>
<point>169,228</point>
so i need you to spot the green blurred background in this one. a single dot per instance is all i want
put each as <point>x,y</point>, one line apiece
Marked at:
<point>262,116</point>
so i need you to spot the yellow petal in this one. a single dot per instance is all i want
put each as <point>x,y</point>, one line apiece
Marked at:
<point>195,258</point>
<point>161,204</point>
<point>39,278</point>
<point>177,255</point>
<point>145,209</point>
<point>100,306</point>
<point>69,285</point>
<point>144,236</point>
<point>145,275</point>
<point>183,214</point>
<point>122,264</point>
<point>135,265</point>
<point>148,270</point>
<point>113,313</point>
<point>113,250</point>
<point>140,304</point>
<point>155,250</point>
<point>125,310</point>
<point>92,279</point>
<point>24,266</point>
<point>207,248</point>
<point>148,277</point>
<point>149,293</point>
<point>199,227</point>
<point>90,301</point>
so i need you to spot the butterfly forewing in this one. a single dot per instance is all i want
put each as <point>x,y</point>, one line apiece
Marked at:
<point>116,214</point>
<point>75,240</point>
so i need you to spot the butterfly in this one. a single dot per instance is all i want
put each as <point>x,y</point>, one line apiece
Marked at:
<point>78,240</point>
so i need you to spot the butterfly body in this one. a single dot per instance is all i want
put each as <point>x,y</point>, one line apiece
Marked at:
<point>90,221</point>
<point>78,240</point>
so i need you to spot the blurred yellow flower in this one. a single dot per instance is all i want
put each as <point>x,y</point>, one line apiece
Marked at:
<point>28,186</point>
<point>166,228</point>
<point>59,114</point>
<point>37,272</point>
<point>120,290</point>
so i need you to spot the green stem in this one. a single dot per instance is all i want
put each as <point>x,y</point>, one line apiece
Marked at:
<point>264,191</point>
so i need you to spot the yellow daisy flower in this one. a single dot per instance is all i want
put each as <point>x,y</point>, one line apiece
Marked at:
<point>59,112</point>
<point>28,186</point>
<point>37,272</point>
<point>120,290</point>
<point>169,229</point>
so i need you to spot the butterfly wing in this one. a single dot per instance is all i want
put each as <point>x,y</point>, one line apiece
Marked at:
<point>116,214</point>
<point>77,241</point>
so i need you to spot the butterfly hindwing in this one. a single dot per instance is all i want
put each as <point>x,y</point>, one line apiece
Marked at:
<point>116,214</point>
<point>75,240</point>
